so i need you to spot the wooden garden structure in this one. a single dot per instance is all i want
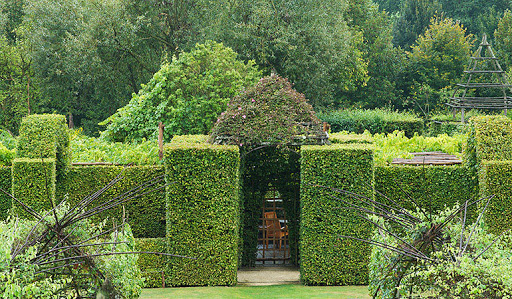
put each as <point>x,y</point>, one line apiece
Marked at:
<point>484,65</point>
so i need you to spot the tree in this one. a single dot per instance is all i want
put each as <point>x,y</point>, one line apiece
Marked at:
<point>439,58</point>
<point>384,61</point>
<point>415,16</point>
<point>187,95</point>
<point>503,39</point>
<point>308,42</point>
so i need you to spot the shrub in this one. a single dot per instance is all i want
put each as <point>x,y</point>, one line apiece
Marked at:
<point>152,266</point>
<point>432,187</point>
<point>449,259</point>
<point>375,121</point>
<point>187,95</point>
<point>45,136</point>
<point>326,259</point>
<point>6,185</point>
<point>33,183</point>
<point>145,214</point>
<point>493,137</point>
<point>269,112</point>
<point>203,213</point>
<point>496,179</point>
<point>345,137</point>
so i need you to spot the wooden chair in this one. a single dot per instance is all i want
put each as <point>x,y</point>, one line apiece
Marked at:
<point>273,229</point>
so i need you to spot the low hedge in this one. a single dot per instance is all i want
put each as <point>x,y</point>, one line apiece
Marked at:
<point>203,216</point>
<point>45,136</point>
<point>146,214</point>
<point>344,137</point>
<point>5,185</point>
<point>152,266</point>
<point>327,259</point>
<point>33,183</point>
<point>431,187</point>
<point>375,121</point>
<point>496,179</point>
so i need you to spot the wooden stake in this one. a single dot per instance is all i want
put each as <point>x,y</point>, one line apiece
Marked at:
<point>161,140</point>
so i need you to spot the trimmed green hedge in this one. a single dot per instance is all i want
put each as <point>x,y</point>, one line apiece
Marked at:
<point>343,137</point>
<point>146,214</point>
<point>6,185</point>
<point>375,121</point>
<point>33,183</point>
<point>203,213</point>
<point>152,265</point>
<point>496,179</point>
<point>493,137</point>
<point>327,259</point>
<point>45,136</point>
<point>431,187</point>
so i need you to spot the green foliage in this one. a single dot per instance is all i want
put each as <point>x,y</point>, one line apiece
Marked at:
<point>306,41</point>
<point>203,213</point>
<point>496,179</point>
<point>187,95</point>
<point>481,271</point>
<point>152,266</point>
<point>385,62</point>
<point>17,277</point>
<point>397,145</point>
<point>433,188</point>
<point>5,184</point>
<point>493,137</point>
<point>503,38</point>
<point>45,136</point>
<point>346,137</point>
<point>415,16</point>
<point>375,121</point>
<point>327,259</point>
<point>146,214</point>
<point>271,111</point>
<point>441,54</point>
<point>33,183</point>
<point>91,149</point>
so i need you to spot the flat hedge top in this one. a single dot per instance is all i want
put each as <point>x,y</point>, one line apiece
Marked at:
<point>493,136</point>
<point>344,137</point>
<point>189,139</point>
<point>339,146</point>
<point>31,160</point>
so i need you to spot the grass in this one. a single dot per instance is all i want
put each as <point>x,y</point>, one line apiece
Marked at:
<point>275,291</point>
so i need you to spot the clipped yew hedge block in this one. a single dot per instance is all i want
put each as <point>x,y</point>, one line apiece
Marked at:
<point>45,136</point>
<point>6,185</point>
<point>33,183</point>
<point>203,213</point>
<point>431,187</point>
<point>492,137</point>
<point>152,266</point>
<point>327,259</point>
<point>145,214</point>
<point>496,179</point>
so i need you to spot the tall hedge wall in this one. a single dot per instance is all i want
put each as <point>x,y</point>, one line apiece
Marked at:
<point>6,185</point>
<point>327,259</point>
<point>431,187</point>
<point>496,179</point>
<point>202,213</point>
<point>146,214</point>
<point>45,136</point>
<point>33,183</point>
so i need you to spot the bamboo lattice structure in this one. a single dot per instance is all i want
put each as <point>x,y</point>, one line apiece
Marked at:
<point>484,57</point>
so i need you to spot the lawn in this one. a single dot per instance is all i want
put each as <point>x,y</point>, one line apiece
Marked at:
<point>276,291</point>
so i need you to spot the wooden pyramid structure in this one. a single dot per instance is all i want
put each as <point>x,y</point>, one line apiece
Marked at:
<point>484,64</point>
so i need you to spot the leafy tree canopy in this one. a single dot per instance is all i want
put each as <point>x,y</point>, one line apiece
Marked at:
<point>187,95</point>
